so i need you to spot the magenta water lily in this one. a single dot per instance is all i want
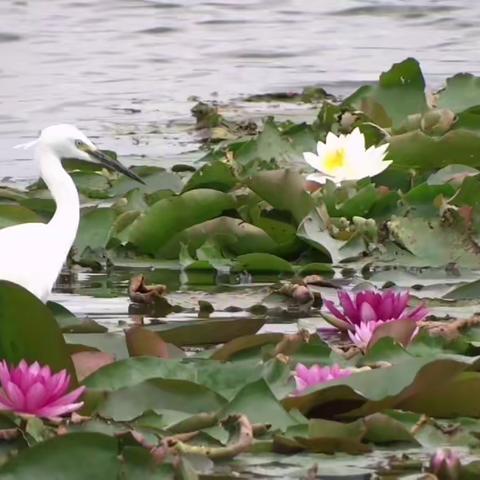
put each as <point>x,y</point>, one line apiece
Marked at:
<point>35,390</point>
<point>315,375</point>
<point>445,464</point>
<point>371,305</point>
<point>363,312</point>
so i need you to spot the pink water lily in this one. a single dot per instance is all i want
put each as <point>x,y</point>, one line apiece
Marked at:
<point>371,305</point>
<point>362,313</point>
<point>315,375</point>
<point>35,390</point>
<point>445,464</point>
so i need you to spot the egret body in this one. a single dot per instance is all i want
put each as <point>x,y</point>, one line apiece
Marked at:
<point>32,254</point>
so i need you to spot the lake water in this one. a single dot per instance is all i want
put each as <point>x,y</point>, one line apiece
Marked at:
<point>125,71</point>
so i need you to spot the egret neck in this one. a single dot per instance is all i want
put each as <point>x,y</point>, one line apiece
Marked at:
<point>64,223</point>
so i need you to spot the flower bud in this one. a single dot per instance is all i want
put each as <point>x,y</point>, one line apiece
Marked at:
<point>445,464</point>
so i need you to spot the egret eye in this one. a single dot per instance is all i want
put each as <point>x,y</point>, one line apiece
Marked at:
<point>79,144</point>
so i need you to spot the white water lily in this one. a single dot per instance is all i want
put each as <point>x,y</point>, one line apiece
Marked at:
<point>345,158</point>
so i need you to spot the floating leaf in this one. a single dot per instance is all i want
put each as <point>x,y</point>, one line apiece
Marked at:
<point>461,92</point>
<point>283,189</point>
<point>95,229</point>
<point>171,215</point>
<point>400,92</point>
<point>16,214</point>
<point>212,331</point>
<point>28,330</point>
<point>65,457</point>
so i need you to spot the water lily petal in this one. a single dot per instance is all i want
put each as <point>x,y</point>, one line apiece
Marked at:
<point>318,177</point>
<point>400,305</point>
<point>334,310</point>
<point>59,410</point>
<point>4,373</point>
<point>35,397</point>
<point>311,159</point>
<point>71,397</point>
<point>349,307</point>
<point>418,313</point>
<point>16,396</point>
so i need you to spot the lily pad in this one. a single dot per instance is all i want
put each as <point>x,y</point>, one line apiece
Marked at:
<point>28,330</point>
<point>64,457</point>
<point>171,215</point>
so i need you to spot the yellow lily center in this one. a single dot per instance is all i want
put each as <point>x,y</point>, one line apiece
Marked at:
<point>335,160</point>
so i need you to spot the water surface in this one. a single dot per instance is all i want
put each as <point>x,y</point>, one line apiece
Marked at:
<point>126,70</point>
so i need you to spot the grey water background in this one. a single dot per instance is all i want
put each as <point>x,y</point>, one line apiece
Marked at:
<point>125,71</point>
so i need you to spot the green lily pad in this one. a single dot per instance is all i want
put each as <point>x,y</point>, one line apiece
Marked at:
<point>283,189</point>
<point>16,214</point>
<point>64,457</point>
<point>218,330</point>
<point>95,229</point>
<point>28,330</point>
<point>400,92</point>
<point>231,234</point>
<point>217,175</point>
<point>462,91</point>
<point>171,215</point>
<point>158,394</point>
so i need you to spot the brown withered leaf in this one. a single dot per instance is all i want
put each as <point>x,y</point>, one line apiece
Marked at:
<point>87,362</point>
<point>141,341</point>
<point>139,292</point>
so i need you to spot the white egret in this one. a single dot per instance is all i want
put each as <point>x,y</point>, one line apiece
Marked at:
<point>32,254</point>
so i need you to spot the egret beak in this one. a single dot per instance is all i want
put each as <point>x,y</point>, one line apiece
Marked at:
<point>113,164</point>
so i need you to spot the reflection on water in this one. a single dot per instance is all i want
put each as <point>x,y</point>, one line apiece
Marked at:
<point>123,69</point>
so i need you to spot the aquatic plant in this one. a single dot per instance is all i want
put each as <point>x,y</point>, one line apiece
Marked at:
<point>315,375</point>
<point>344,157</point>
<point>374,306</point>
<point>445,464</point>
<point>35,390</point>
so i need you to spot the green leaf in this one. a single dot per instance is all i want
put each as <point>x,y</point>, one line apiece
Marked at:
<point>156,180</point>
<point>461,92</point>
<point>16,214</point>
<point>75,456</point>
<point>314,231</point>
<point>416,150</point>
<point>324,436</point>
<point>91,184</point>
<point>95,229</point>
<point>212,331</point>
<point>171,215</point>
<point>69,323</point>
<point>158,394</point>
<point>400,92</point>
<point>230,234</point>
<point>368,392</point>
<point>28,330</point>
<point>258,403</point>
<point>453,172</point>
<point>269,149</point>
<point>261,262</point>
<point>435,242</point>
<point>216,176</point>
<point>284,190</point>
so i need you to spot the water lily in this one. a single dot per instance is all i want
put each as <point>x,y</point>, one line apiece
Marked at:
<point>373,306</point>
<point>35,390</point>
<point>345,157</point>
<point>315,375</point>
<point>363,333</point>
<point>445,464</point>
<point>362,313</point>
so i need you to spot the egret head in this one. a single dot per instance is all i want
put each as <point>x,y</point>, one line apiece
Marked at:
<point>67,141</point>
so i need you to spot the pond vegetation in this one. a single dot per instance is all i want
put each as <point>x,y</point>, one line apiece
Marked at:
<point>376,279</point>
